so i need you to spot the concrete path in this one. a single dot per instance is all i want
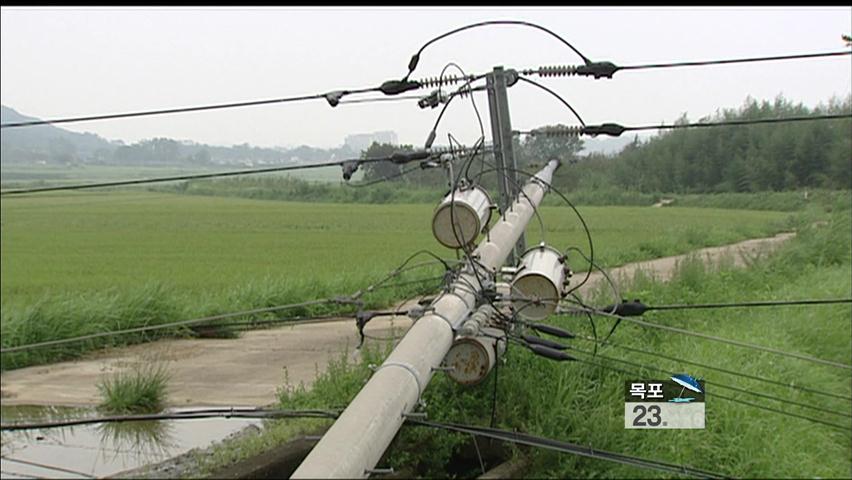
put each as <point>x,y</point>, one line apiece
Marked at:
<point>247,370</point>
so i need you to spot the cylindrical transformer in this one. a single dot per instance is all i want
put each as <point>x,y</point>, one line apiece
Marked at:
<point>470,359</point>
<point>537,286</point>
<point>469,209</point>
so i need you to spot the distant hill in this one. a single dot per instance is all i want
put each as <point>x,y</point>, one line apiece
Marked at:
<point>46,142</point>
<point>609,145</point>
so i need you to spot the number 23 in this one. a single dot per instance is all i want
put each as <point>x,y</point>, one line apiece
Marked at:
<point>653,421</point>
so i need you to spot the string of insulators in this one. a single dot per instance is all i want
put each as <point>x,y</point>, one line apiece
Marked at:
<point>557,132</point>
<point>432,82</point>
<point>458,151</point>
<point>552,71</point>
<point>591,69</point>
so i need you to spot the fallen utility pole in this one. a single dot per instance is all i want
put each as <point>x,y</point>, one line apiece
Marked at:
<point>352,447</point>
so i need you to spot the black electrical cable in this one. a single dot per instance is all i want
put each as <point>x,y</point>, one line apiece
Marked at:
<point>228,412</point>
<point>615,130</point>
<point>411,257</point>
<point>467,254</point>
<point>514,437</point>
<point>461,91</point>
<point>166,111</point>
<point>608,69</point>
<point>709,394</point>
<point>170,179</point>
<point>413,282</point>
<point>182,323</point>
<point>472,99</point>
<point>386,178</point>
<point>496,378</point>
<point>615,291</point>
<point>729,341</point>
<point>558,97</point>
<point>566,447</point>
<point>412,64</point>
<point>766,303</point>
<point>516,186</point>
<point>281,320</point>
<point>381,99</point>
<point>726,371</point>
<point>336,163</point>
<point>46,467</point>
<point>736,389</point>
<point>739,122</point>
<point>701,63</point>
<point>592,323</point>
<point>642,308</point>
<point>576,212</point>
<point>339,300</point>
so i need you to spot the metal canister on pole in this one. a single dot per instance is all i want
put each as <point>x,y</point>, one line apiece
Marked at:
<point>537,286</point>
<point>468,210</point>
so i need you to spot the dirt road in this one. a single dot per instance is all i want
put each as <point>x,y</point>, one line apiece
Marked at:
<point>247,370</point>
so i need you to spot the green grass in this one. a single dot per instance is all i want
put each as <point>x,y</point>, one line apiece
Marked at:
<point>75,264</point>
<point>83,242</point>
<point>582,403</point>
<point>139,389</point>
<point>17,176</point>
<point>327,187</point>
<point>84,263</point>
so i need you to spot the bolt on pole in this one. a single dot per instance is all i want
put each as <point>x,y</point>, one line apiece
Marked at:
<point>355,443</point>
<point>504,153</point>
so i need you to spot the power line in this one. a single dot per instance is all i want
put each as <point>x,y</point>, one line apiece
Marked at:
<point>550,186</point>
<point>415,59</point>
<point>615,130</point>
<point>399,158</point>
<point>514,437</point>
<point>341,300</point>
<point>723,370</point>
<point>736,400</point>
<point>229,412</point>
<point>637,308</point>
<point>182,323</point>
<point>737,122</point>
<point>701,63</point>
<point>198,176</point>
<point>400,98</point>
<point>736,389</point>
<point>714,338</point>
<point>766,303</point>
<point>46,467</point>
<point>166,111</point>
<point>558,97</point>
<point>608,69</point>
<point>567,447</point>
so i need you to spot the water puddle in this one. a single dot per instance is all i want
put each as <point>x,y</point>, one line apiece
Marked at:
<point>99,450</point>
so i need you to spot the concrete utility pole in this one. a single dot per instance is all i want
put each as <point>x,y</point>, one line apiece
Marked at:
<point>352,447</point>
<point>501,132</point>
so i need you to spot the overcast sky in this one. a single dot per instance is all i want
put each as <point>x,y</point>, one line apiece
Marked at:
<point>64,62</point>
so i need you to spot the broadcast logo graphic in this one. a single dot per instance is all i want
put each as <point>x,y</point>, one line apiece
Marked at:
<point>676,403</point>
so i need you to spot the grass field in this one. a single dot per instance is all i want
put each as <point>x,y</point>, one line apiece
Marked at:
<point>82,263</point>
<point>88,242</point>
<point>581,402</point>
<point>74,264</point>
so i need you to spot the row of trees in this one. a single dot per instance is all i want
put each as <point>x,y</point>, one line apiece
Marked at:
<point>745,158</point>
<point>749,158</point>
<point>527,151</point>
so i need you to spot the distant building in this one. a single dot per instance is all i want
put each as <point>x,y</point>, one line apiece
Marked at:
<point>362,141</point>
